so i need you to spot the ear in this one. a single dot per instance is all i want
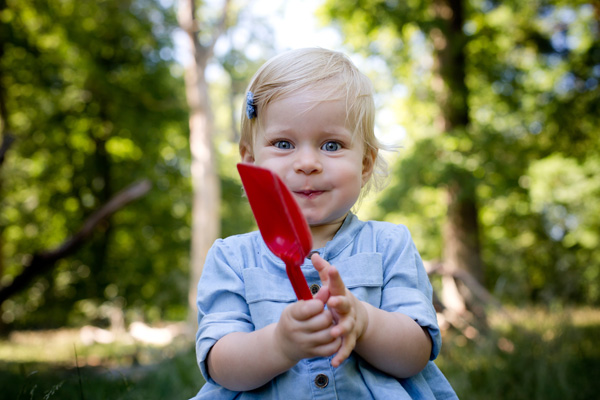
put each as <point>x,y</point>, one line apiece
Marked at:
<point>246,154</point>
<point>368,165</point>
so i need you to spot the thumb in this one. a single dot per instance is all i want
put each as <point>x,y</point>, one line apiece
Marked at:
<point>323,294</point>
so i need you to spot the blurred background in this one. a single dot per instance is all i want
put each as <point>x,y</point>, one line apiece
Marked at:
<point>119,128</point>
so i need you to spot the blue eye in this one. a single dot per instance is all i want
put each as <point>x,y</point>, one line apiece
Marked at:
<point>331,146</point>
<point>283,145</point>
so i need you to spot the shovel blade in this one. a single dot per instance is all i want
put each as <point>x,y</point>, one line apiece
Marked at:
<point>280,221</point>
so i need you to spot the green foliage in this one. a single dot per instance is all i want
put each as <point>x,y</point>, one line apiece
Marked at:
<point>529,151</point>
<point>94,106</point>
<point>96,102</point>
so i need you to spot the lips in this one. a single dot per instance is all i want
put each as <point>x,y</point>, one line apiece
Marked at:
<point>308,194</point>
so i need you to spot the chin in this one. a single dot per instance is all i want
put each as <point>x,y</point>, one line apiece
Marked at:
<point>314,220</point>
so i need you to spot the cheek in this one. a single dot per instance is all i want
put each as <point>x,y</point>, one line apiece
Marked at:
<point>275,164</point>
<point>351,177</point>
<point>267,162</point>
<point>260,156</point>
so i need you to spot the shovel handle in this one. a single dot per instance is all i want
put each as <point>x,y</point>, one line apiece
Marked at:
<point>298,282</point>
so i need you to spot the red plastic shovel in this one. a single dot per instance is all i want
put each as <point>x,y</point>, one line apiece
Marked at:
<point>280,221</point>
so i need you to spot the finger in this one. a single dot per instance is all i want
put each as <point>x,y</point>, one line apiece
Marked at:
<point>304,310</point>
<point>336,285</point>
<point>320,322</point>
<point>340,357</point>
<point>327,349</point>
<point>343,353</point>
<point>323,294</point>
<point>344,326</point>
<point>321,266</point>
<point>340,304</point>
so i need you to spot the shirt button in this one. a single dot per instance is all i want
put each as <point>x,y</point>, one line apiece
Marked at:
<point>321,381</point>
<point>311,253</point>
<point>314,288</point>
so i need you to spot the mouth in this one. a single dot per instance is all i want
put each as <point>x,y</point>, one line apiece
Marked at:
<point>308,194</point>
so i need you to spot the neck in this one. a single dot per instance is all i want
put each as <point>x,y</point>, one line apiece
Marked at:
<point>323,233</point>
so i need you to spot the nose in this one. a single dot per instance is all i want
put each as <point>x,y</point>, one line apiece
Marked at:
<point>307,161</point>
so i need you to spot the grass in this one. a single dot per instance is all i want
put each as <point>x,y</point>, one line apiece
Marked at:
<point>528,354</point>
<point>174,378</point>
<point>56,365</point>
<point>532,353</point>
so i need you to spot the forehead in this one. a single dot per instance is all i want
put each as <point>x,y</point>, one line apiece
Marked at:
<point>306,99</point>
<point>328,89</point>
<point>299,113</point>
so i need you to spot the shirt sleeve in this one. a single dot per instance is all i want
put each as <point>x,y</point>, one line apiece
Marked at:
<point>222,307</point>
<point>406,286</point>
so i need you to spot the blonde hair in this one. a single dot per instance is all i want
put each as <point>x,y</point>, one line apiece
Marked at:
<point>335,77</point>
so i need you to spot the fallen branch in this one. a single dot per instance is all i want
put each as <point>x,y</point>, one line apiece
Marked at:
<point>463,318</point>
<point>45,260</point>
<point>436,267</point>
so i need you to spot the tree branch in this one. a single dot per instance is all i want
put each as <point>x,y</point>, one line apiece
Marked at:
<point>45,260</point>
<point>186,17</point>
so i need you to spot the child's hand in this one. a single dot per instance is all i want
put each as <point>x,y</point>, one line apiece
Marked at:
<point>304,331</point>
<point>349,313</point>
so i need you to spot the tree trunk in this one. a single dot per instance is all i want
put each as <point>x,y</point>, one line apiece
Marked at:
<point>205,182</point>
<point>5,136</point>
<point>461,233</point>
<point>205,178</point>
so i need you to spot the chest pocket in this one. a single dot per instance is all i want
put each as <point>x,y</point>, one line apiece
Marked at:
<point>267,295</point>
<point>363,275</point>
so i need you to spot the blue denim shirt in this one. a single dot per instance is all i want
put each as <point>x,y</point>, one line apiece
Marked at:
<point>244,287</point>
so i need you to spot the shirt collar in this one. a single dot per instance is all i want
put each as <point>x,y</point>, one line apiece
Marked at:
<point>342,239</point>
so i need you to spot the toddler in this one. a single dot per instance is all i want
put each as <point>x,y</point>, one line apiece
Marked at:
<point>371,331</point>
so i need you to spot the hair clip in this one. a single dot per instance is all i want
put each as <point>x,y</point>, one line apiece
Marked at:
<point>250,106</point>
